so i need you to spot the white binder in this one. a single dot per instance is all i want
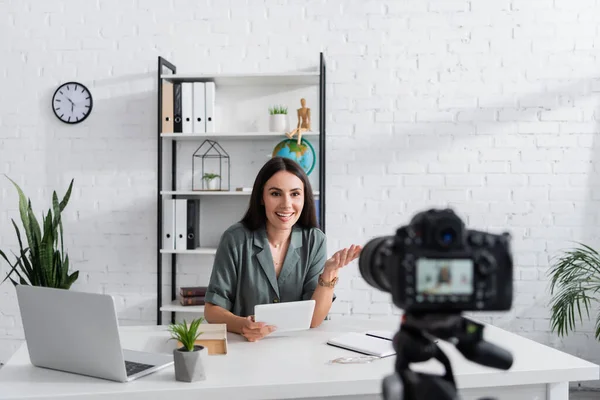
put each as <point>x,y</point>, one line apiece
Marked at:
<point>186,108</point>
<point>199,113</point>
<point>210,107</point>
<point>168,228</point>
<point>180,224</point>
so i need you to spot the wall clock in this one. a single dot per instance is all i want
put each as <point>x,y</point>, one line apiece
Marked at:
<point>72,102</point>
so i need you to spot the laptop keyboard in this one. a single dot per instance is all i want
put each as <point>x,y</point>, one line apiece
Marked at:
<point>133,367</point>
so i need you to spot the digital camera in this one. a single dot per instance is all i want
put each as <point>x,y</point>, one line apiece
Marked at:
<point>435,265</point>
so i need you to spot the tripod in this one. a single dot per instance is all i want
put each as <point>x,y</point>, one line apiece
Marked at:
<point>413,343</point>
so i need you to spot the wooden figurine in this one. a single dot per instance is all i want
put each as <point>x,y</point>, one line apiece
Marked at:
<point>303,122</point>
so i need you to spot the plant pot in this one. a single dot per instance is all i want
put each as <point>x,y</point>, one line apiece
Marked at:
<point>278,123</point>
<point>213,184</point>
<point>189,365</point>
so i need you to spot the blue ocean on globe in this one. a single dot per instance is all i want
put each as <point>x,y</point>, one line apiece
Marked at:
<point>303,153</point>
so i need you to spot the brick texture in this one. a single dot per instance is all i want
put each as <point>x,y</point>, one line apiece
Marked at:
<point>490,107</point>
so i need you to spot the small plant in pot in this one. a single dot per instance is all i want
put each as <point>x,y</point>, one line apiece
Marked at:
<point>211,180</point>
<point>278,119</point>
<point>189,357</point>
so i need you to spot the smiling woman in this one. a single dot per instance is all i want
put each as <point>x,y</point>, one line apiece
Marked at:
<point>276,253</point>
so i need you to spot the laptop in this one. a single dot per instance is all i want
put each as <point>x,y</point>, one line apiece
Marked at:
<point>78,332</point>
<point>287,316</point>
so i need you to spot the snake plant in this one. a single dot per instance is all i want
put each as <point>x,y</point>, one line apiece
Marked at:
<point>42,262</point>
<point>575,284</point>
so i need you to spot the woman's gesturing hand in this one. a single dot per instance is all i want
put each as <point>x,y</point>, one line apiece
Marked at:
<point>342,258</point>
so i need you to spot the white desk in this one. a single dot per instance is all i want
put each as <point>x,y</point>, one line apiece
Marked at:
<point>297,367</point>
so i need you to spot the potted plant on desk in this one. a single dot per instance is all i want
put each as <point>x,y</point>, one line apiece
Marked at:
<point>189,357</point>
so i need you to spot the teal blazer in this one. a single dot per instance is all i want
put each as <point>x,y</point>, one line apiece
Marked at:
<point>243,273</point>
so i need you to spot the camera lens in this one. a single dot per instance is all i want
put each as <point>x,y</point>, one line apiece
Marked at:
<point>372,262</point>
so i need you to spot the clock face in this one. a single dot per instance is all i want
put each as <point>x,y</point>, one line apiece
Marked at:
<point>72,102</point>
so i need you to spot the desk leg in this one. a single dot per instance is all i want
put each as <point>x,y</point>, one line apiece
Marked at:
<point>557,391</point>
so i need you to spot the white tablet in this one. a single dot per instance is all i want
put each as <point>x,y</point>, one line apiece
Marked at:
<point>288,316</point>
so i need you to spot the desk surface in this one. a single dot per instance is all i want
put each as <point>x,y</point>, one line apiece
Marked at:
<point>295,365</point>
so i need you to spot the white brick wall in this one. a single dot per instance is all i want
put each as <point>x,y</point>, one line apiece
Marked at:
<point>487,106</point>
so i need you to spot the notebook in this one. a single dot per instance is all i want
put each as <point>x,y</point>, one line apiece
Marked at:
<point>388,335</point>
<point>364,344</point>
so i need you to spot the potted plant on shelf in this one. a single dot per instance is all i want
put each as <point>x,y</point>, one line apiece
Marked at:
<point>575,277</point>
<point>211,180</point>
<point>188,358</point>
<point>278,119</point>
<point>42,262</point>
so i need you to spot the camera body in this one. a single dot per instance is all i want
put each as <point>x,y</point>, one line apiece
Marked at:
<point>435,265</point>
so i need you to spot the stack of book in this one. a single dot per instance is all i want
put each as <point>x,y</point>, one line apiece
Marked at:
<point>192,295</point>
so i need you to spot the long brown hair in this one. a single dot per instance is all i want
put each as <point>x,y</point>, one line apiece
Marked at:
<point>256,217</point>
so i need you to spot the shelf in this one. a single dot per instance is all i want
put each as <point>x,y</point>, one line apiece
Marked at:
<point>284,78</point>
<point>201,250</point>
<point>209,193</point>
<point>252,89</point>
<point>232,135</point>
<point>176,306</point>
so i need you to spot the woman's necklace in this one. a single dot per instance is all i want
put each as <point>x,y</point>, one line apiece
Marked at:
<point>277,251</point>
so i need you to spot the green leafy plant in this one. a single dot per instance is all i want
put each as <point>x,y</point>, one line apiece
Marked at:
<point>574,285</point>
<point>42,263</point>
<point>186,333</point>
<point>278,110</point>
<point>210,176</point>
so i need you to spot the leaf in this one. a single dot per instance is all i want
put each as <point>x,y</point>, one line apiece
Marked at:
<point>22,262</point>
<point>71,279</point>
<point>35,226</point>
<point>575,278</point>
<point>56,209</point>
<point>13,267</point>
<point>58,270</point>
<point>34,255</point>
<point>47,253</point>
<point>23,210</point>
<point>28,268</point>
<point>18,234</point>
<point>25,266</point>
<point>67,196</point>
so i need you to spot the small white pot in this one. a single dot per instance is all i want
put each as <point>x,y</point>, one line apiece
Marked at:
<point>278,123</point>
<point>213,184</point>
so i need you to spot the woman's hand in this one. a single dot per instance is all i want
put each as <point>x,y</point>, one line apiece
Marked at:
<point>254,331</point>
<point>342,258</point>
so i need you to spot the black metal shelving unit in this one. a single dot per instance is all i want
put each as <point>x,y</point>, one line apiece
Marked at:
<point>162,65</point>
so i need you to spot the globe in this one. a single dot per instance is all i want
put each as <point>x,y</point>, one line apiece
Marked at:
<point>303,153</point>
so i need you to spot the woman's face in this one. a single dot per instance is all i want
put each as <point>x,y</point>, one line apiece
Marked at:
<point>283,197</point>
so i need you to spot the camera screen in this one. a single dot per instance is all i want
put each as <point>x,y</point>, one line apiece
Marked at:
<point>449,276</point>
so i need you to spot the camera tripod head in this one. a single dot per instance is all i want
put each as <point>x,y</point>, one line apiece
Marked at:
<point>415,342</point>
